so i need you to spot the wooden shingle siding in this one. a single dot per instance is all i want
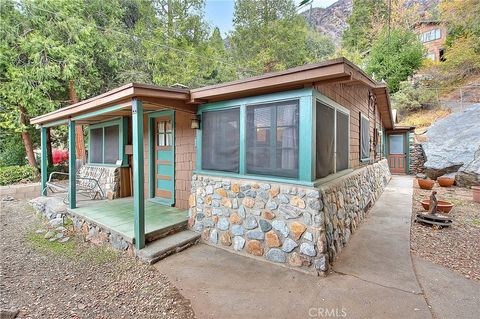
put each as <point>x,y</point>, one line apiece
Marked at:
<point>355,98</point>
<point>184,157</point>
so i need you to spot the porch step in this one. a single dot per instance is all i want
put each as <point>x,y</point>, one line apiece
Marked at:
<point>166,246</point>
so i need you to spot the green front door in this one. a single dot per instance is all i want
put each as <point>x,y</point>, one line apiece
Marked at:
<point>164,159</point>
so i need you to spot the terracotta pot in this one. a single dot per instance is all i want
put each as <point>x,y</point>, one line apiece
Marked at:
<point>425,183</point>
<point>445,181</point>
<point>476,193</point>
<point>442,206</point>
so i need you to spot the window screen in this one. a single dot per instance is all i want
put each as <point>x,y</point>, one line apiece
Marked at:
<point>111,144</point>
<point>272,139</point>
<point>221,140</point>
<point>325,139</point>
<point>364,138</point>
<point>342,141</point>
<point>96,145</point>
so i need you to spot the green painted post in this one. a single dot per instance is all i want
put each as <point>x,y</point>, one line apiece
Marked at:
<point>243,123</point>
<point>72,180</point>
<point>138,177</point>
<point>306,147</point>
<point>408,153</point>
<point>43,160</point>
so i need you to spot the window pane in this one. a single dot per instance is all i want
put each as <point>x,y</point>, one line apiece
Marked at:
<point>396,144</point>
<point>168,139</point>
<point>272,139</point>
<point>161,139</point>
<point>161,127</point>
<point>342,141</point>
<point>364,138</point>
<point>221,140</point>
<point>96,145</point>
<point>111,144</point>
<point>325,139</point>
<point>168,126</point>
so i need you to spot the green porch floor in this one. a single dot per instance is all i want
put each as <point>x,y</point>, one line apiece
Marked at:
<point>117,216</point>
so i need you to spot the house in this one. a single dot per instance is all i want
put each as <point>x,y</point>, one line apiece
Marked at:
<point>432,34</point>
<point>282,166</point>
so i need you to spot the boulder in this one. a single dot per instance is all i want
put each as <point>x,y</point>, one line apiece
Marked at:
<point>451,146</point>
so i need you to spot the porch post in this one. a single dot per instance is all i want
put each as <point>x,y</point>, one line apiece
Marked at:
<point>72,193</point>
<point>43,161</point>
<point>138,177</point>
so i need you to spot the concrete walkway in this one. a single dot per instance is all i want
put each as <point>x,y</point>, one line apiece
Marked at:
<point>373,278</point>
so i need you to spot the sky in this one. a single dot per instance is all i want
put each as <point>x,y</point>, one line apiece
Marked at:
<point>220,12</point>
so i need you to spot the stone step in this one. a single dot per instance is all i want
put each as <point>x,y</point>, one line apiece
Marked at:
<point>166,246</point>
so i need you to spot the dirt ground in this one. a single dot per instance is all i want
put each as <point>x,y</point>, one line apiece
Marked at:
<point>456,247</point>
<point>44,279</point>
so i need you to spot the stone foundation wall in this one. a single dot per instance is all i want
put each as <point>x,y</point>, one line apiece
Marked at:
<point>417,159</point>
<point>346,201</point>
<point>56,212</point>
<point>295,226</point>
<point>109,179</point>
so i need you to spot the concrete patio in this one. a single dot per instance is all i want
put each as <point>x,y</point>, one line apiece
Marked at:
<point>373,278</point>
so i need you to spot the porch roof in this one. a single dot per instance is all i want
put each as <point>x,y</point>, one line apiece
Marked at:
<point>117,102</point>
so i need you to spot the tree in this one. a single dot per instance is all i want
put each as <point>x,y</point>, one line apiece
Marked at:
<point>463,41</point>
<point>366,22</point>
<point>394,57</point>
<point>49,47</point>
<point>270,36</point>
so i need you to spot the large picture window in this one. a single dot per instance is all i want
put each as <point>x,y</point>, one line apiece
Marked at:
<point>272,139</point>
<point>332,139</point>
<point>105,143</point>
<point>364,138</point>
<point>221,140</point>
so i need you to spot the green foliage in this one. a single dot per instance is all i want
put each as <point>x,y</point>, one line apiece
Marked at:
<point>364,24</point>
<point>394,57</point>
<point>412,97</point>
<point>16,174</point>
<point>271,36</point>
<point>12,151</point>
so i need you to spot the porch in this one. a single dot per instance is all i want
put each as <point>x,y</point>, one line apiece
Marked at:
<point>117,216</point>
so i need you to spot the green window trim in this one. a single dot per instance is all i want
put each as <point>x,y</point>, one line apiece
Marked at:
<point>305,159</point>
<point>122,141</point>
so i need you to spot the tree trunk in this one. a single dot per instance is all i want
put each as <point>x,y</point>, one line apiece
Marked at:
<point>26,138</point>
<point>49,147</point>
<point>79,141</point>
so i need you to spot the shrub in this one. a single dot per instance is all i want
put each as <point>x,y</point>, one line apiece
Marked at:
<point>12,150</point>
<point>413,97</point>
<point>15,174</point>
<point>59,156</point>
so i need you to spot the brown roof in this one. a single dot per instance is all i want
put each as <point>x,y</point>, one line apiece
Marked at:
<point>331,71</point>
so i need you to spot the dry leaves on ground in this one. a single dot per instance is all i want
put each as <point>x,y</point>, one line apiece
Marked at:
<point>456,247</point>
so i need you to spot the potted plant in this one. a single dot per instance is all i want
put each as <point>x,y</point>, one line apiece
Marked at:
<point>424,182</point>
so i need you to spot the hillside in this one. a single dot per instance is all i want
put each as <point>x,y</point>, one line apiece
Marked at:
<point>332,20</point>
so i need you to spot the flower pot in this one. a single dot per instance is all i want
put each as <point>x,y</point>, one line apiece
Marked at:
<point>445,181</point>
<point>442,206</point>
<point>476,193</point>
<point>425,183</point>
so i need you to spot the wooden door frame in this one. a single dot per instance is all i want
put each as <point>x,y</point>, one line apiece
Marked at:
<point>151,153</point>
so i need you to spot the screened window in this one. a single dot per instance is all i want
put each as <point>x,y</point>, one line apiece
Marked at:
<point>104,144</point>
<point>342,141</point>
<point>364,138</point>
<point>325,139</point>
<point>332,139</point>
<point>272,139</point>
<point>221,140</point>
